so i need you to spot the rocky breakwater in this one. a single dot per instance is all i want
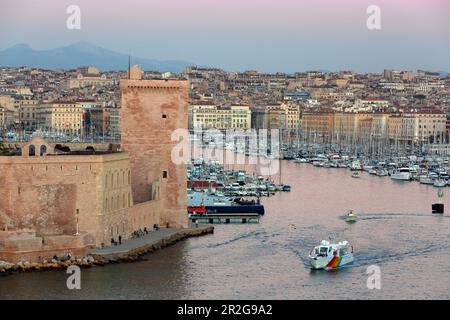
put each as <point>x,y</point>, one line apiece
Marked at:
<point>53,264</point>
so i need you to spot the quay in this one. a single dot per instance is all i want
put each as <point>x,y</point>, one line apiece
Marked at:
<point>131,249</point>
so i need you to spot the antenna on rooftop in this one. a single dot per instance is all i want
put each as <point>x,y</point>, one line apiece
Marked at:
<point>129,67</point>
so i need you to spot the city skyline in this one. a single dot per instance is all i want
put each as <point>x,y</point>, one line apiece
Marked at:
<point>259,35</point>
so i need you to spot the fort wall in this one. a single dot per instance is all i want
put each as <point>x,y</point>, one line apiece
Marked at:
<point>54,201</point>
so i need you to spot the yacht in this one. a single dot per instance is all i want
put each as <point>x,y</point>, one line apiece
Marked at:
<point>356,166</point>
<point>331,256</point>
<point>426,179</point>
<point>403,174</point>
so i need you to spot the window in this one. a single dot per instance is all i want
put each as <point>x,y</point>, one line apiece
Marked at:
<point>164,116</point>
<point>43,150</point>
<point>165,174</point>
<point>32,150</point>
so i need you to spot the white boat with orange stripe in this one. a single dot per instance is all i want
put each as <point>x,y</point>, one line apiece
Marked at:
<point>331,256</point>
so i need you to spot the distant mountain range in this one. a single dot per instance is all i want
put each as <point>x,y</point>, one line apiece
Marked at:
<point>82,54</point>
<point>86,54</point>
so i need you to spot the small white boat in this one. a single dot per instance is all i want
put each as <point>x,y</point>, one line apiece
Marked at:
<point>331,256</point>
<point>342,165</point>
<point>382,173</point>
<point>351,217</point>
<point>333,164</point>
<point>440,183</point>
<point>356,175</point>
<point>425,179</point>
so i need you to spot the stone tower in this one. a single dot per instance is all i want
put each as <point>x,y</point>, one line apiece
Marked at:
<point>150,111</point>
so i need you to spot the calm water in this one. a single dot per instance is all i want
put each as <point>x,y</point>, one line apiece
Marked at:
<point>397,232</point>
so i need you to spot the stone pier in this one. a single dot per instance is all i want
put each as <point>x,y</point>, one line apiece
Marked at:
<point>155,240</point>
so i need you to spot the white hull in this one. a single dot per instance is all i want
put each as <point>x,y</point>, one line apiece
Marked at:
<point>325,262</point>
<point>403,176</point>
<point>382,173</point>
<point>426,180</point>
<point>440,184</point>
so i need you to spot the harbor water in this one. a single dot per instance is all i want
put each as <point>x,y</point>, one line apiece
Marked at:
<point>396,232</point>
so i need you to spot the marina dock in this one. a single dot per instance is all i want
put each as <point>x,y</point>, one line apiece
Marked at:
<point>223,218</point>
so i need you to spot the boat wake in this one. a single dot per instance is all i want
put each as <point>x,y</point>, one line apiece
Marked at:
<point>229,241</point>
<point>262,235</point>
<point>382,256</point>
<point>392,215</point>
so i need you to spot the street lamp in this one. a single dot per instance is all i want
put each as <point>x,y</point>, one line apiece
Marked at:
<point>77,230</point>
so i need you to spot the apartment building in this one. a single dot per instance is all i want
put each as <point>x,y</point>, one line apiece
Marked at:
<point>6,118</point>
<point>65,117</point>
<point>416,126</point>
<point>207,116</point>
<point>320,122</point>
